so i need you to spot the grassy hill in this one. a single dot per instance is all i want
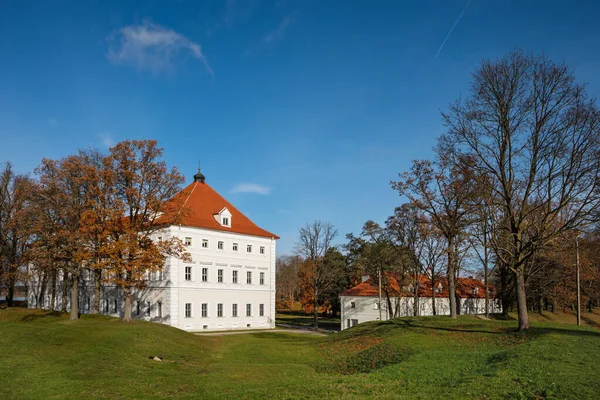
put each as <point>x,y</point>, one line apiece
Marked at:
<point>45,356</point>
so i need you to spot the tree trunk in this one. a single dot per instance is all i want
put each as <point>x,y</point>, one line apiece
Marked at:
<point>316,306</point>
<point>523,315</point>
<point>127,303</point>
<point>53,291</point>
<point>97,286</point>
<point>74,297</point>
<point>42,294</point>
<point>11,292</point>
<point>416,296</point>
<point>485,282</point>
<point>433,293</point>
<point>65,292</point>
<point>451,278</point>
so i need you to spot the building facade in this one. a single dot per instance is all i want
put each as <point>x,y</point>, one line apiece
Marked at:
<point>361,303</point>
<point>229,283</point>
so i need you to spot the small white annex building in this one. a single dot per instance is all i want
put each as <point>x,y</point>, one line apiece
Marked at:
<point>361,303</point>
<point>229,284</point>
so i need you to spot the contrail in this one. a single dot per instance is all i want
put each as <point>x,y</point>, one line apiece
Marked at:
<point>453,26</point>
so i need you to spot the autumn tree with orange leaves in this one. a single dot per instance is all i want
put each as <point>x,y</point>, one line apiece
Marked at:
<point>14,233</point>
<point>63,195</point>
<point>140,185</point>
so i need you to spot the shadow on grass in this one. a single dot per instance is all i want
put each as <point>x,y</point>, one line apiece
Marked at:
<point>41,316</point>
<point>590,322</point>
<point>535,331</point>
<point>285,337</point>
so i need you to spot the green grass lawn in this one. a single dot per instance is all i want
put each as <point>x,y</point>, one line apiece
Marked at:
<point>301,320</point>
<point>45,356</point>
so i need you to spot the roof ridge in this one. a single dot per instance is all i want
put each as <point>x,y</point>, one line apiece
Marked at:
<point>187,198</point>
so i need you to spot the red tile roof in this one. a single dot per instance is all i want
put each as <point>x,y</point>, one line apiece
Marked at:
<point>196,206</point>
<point>465,288</point>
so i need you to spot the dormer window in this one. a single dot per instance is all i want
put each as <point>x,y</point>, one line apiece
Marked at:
<point>476,291</point>
<point>223,217</point>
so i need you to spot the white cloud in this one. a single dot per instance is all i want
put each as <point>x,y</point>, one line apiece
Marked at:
<point>272,37</point>
<point>277,34</point>
<point>152,47</point>
<point>52,121</point>
<point>251,188</point>
<point>107,139</point>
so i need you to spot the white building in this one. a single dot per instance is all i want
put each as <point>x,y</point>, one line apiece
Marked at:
<point>230,283</point>
<point>361,303</point>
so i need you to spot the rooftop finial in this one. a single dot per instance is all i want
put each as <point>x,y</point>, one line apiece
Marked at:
<point>199,177</point>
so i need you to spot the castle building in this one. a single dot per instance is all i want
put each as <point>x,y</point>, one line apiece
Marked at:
<point>229,283</point>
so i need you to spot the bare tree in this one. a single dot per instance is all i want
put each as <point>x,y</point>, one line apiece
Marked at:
<point>314,239</point>
<point>535,133</point>
<point>434,248</point>
<point>288,282</point>
<point>442,190</point>
<point>405,230</point>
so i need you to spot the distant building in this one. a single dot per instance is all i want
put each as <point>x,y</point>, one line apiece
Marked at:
<point>230,283</point>
<point>361,303</point>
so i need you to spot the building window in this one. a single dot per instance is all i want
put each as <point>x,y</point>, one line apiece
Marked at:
<point>220,245</point>
<point>261,310</point>
<point>204,274</point>
<point>188,310</point>
<point>235,247</point>
<point>226,221</point>
<point>262,249</point>
<point>376,306</point>
<point>204,310</point>
<point>354,322</point>
<point>106,305</point>
<point>352,304</point>
<point>234,277</point>
<point>137,307</point>
<point>188,273</point>
<point>220,310</point>
<point>234,310</point>
<point>249,248</point>
<point>220,276</point>
<point>148,308</point>
<point>188,241</point>
<point>249,277</point>
<point>159,309</point>
<point>262,278</point>
<point>205,243</point>
<point>115,307</point>
<point>248,310</point>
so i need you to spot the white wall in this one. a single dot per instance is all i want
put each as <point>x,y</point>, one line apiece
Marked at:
<point>196,291</point>
<point>174,291</point>
<point>365,308</point>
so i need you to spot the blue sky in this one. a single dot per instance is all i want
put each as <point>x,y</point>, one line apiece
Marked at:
<point>298,110</point>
